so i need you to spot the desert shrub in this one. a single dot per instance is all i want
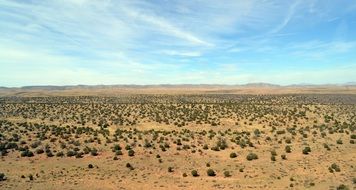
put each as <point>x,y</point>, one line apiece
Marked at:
<point>339,141</point>
<point>60,154</point>
<point>118,152</point>
<point>131,152</point>
<point>30,177</point>
<point>288,149</point>
<point>79,155</point>
<point>205,147</point>
<point>115,158</point>
<point>185,175</point>
<point>195,173</point>
<point>208,164</point>
<point>90,166</point>
<point>251,156</point>
<point>39,151</point>
<point>71,153</point>
<point>353,136</point>
<point>94,152</point>
<point>233,155</point>
<point>335,167</point>
<point>215,148</point>
<point>2,177</point>
<point>284,157</point>
<point>273,158</point>
<point>227,174</point>
<point>128,165</point>
<point>49,154</point>
<point>306,150</point>
<point>170,169</point>
<point>27,153</point>
<point>342,187</point>
<point>116,147</point>
<point>326,146</point>
<point>210,172</point>
<point>273,153</point>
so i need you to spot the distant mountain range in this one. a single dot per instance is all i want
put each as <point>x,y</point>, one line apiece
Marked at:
<point>68,87</point>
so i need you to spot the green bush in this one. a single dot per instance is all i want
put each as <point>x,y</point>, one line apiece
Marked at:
<point>205,147</point>
<point>60,154</point>
<point>306,150</point>
<point>195,173</point>
<point>284,157</point>
<point>128,165</point>
<point>342,187</point>
<point>233,155</point>
<point>211,172</point>
<point>2,177</point>
<point>27,153</point>
<point>94,152</point>
<point>335,167</point>
<point>71,153</point>
<point>339,141</point>
<point>353,136</point>
<point>118,152</point>
<point>227,174</point>
<point>131,152</point>
<point>251,156</point>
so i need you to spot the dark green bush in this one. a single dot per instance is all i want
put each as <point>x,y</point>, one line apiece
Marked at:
<point>128,165</point>
<point>131,152</point>
<point>306,150</point>
<point>210,172</point>
<point>94,152</point>
<point>2,177</point>
<point>233,155</point>
<point>195,173</point>
<point>227,174</point>
<point>284,157</point>
<point>339,141</point>
<point>251,156</point>
<point>342,187</point>
<point>60,154</point>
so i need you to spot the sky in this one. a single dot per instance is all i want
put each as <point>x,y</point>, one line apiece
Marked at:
<point>71,42</point>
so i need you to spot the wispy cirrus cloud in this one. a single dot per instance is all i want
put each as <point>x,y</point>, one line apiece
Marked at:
<point>173,41</point>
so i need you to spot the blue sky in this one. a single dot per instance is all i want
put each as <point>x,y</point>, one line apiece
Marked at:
<point>69,42</point>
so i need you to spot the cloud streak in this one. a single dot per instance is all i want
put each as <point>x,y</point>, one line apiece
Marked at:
<point>142,42</point>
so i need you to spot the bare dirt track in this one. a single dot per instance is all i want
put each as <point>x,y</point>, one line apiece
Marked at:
<point>157,140</point>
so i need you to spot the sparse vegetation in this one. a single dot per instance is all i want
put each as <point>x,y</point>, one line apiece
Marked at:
<point>251,156</point>
<point>211,172</point>
<point>54,128</point>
